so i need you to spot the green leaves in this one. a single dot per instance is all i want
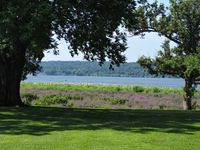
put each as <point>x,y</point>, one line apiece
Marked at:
<point>178,24</point>
<point>181,25</point>
<point>90,27</point>
<point>94,29</point>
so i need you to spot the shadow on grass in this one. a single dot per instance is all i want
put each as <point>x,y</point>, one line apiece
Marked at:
<point>42,121</point>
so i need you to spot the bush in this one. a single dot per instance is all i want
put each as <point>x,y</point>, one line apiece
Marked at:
<point>114,101</point>
<point>195,106</point>
<point>118,89</point>
<point>52,100</point>
<point>138,89</point>
<point>57,99</point>
<point>156,90</point>
<point>162,107</point>
<point>28,98</point>
<point>74,97</point>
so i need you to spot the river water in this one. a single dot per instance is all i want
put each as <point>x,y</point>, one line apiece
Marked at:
<point>158,82</point>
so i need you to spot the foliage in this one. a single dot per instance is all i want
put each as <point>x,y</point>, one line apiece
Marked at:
<point>180,24</point>
<point>90,27</point>
<point>28,98</point>
<point>95,87</point>
<point>162,107</point>
<point>29,28</point>
<point>138,89</point>
<point>54,99</point>
<point>98,96</point>
<point>114,100</point>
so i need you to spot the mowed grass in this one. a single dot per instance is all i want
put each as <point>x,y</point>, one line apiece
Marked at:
<point>98,129</point>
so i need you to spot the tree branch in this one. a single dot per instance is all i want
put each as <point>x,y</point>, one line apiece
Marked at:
<point>156,31</point>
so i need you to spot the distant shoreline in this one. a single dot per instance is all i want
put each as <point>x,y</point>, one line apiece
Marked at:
<point>84,68</point>
<point>148,77</point>
<point>105,76</point>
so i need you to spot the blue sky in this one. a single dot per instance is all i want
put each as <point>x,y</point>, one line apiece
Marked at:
<point>136,47</point>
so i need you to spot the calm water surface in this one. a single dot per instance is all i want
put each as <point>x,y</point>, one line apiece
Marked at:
<point>160,82</point>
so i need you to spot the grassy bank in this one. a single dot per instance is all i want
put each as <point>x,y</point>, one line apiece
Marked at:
<point>104,96</point>
<point>98,129</point>
<point>95,87</point>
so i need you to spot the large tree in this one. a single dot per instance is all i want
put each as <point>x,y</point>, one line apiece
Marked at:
<point>180,23</point>
<point>30,27</point>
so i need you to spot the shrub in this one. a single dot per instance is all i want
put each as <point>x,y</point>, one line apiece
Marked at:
<point>28,98</point>
<point>162,107</point>
<point>195,106</point>
<point>157,95</point>
<point>57,99</point>
<point>114,101</point>
<point>74,97</point>
<point>138,89</point>
<point>118,89</point>
<point>156,90</point>
<point>52,100</point>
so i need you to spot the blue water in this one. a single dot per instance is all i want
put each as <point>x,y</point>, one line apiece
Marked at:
<point>159,82</point>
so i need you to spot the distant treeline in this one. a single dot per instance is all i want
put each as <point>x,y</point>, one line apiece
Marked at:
<point>83,68</point>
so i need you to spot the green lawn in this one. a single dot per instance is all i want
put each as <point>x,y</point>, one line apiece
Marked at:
<point>98,129</point>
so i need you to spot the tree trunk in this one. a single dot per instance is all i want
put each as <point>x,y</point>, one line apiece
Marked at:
<point>10,77</point>
<point>189,92</point>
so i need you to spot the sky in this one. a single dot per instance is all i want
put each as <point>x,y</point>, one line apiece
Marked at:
<point>137,46</point>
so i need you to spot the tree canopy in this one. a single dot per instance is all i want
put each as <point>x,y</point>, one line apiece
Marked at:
<point>28,28</point>
<point>90,27</point>
<point>180,23</point>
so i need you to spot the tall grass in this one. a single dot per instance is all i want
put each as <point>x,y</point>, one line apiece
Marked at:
<point>95,87</point>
